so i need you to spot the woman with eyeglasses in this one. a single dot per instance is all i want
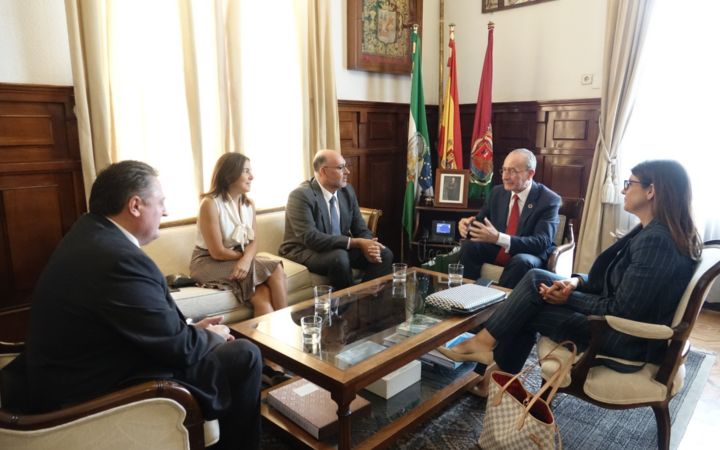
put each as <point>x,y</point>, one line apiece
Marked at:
<point>641,277</point>
<point>225,248</point>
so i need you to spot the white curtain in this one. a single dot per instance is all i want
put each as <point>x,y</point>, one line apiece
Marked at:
<point>675,114</point>
<point>625,30</point>
<point>176,83</point>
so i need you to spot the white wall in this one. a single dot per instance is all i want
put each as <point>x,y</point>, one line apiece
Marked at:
<point>540,52</point>
<point>34,42</point>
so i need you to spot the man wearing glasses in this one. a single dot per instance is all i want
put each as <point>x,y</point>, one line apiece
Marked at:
<point>324,229</point>
<point>516,228</point>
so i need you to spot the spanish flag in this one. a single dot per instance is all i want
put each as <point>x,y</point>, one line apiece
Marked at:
<point>449,142</point>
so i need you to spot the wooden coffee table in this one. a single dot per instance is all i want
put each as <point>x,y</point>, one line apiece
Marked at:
<point>369,311</point>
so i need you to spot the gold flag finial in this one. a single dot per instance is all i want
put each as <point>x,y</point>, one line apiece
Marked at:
<point>452,30</point>
<point>491,25</point>
<point>416,27</point>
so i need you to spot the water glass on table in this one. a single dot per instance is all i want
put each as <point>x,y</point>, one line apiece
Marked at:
<point>455,274</point>
<point>311,327</point>
<point>323,299</point>
<point>399,272</point>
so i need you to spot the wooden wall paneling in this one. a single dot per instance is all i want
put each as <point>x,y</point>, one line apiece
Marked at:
<point>31,241</point>
<point>41,190</point>
<point>356,169</point>
<point>379,160</point>
<point>348,129</point>
<point>567,174</point>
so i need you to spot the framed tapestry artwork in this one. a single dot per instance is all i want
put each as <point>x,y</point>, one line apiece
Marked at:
<point>499,5</point>
<point>451,188</point>
<point>378,34</point>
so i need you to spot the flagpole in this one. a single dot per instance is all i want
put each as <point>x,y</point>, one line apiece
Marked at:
<point>441,64</point>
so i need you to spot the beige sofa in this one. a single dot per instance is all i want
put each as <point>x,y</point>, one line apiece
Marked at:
<point>172,251</point>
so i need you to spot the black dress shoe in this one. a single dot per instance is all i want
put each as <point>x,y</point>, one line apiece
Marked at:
<point>271,377</point>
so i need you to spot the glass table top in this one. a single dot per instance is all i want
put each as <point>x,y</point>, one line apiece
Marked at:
<point>363,321</point>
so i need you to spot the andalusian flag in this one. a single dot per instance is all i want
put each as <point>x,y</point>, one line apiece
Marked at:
<point>481,156</point>
<point>419,172</point>
<point>450,143</point>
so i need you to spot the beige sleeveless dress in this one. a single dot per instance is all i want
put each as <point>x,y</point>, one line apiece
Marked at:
<point>237,232</point>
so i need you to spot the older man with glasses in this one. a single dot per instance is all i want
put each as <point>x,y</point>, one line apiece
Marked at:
<point>324,229</point>
<point>516,228</point>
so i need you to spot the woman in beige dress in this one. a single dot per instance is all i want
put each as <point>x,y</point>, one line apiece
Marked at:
<point>225,248</point>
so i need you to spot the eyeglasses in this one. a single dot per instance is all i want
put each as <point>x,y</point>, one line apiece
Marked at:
<point>627,183</point>
<point>341,167</point>
<point>511,171</point>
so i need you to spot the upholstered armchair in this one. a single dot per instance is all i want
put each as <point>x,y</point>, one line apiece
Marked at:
<point>372,218</point>
<point>155,414</point>
<point>653,385</point>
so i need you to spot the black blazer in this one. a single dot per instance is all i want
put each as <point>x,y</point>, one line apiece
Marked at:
<point>640,277</point>
<point>101,316</point>
<point>538,221</point>
<point>307,222</point>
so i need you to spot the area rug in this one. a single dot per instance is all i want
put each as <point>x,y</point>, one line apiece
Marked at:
<point>582,425</point>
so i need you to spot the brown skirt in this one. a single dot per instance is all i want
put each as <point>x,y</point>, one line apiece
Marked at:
<point>207,270</point>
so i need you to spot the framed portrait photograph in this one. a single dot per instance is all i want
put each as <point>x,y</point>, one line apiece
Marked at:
<point>499,5</point>
<point>451,188</point>
<point>378,34</point>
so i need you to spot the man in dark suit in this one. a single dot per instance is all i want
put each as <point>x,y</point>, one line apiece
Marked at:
<point>324,229</point>
<point>516,228</point>
<point>102,317</point>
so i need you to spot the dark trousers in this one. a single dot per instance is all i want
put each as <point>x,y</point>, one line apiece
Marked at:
<point>474,254</point>
<point>523,314</point>
<point>337,265</point>
<point>227,385</point>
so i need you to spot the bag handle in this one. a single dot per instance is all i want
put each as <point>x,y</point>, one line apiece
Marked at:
<point>555,379</point>
<point>564,369</point>
<point>527,369</point>
<point>553,383</point>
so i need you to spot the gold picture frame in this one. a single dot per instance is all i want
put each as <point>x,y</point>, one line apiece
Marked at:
<point>451,188</point>
<point>378,34</point>
<point>499,5</point>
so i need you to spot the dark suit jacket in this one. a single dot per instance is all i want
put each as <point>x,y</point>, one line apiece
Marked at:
<point>640,277</point>
<point>102,315</point>
<point>307,222</point>
<point>538,220</point>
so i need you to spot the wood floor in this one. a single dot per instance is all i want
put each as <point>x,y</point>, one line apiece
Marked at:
<point>702,430</point>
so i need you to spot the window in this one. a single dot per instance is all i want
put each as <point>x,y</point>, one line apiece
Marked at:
<point>675,113</point>
<point>168,69</point>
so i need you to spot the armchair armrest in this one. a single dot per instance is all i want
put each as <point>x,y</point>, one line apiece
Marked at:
<point>639,329</point>
<point>147,390</point>
<point>599,325</point>
<point>557,253</point>
<point>11,347</point>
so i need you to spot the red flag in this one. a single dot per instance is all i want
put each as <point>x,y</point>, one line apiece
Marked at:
<point>449,142</point>
<point>481,155</point>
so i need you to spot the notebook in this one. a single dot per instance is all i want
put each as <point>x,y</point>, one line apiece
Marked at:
<point>466,298</point>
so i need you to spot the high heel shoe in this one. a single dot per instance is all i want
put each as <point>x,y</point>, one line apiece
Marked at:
<point>480,357</point>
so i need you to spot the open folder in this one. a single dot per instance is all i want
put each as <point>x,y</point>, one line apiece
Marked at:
<point>466,298</point>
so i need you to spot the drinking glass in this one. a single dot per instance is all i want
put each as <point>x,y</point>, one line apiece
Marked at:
<point>323,299</point>
<point>311,333</point>
<point>455,274</point>
<point>399,272</point>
